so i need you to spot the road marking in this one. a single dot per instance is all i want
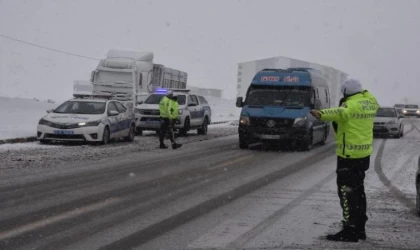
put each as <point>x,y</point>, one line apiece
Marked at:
<point>57,218</point>
<point>227,163</point>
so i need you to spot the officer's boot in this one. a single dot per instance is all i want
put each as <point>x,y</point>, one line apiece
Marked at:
<point>360,228</point>
<point>162,145</point>
<point>347,234</point>
<point>176,145</point>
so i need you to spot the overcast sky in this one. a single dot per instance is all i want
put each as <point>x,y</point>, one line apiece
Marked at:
<point>377,42</point>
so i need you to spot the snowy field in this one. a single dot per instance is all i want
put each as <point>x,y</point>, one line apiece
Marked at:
<point>20,116</point>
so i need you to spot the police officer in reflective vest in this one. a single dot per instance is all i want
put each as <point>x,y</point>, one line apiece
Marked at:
<point>168,110</point>
<point>354,145</point>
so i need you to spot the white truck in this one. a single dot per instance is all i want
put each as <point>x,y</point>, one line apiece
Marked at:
<point>132,76</point>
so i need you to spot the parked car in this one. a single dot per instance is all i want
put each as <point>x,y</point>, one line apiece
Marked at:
<point>399,108</point>
<point>388,122</point>
<point>411,110</point>
<point>91,119</point>
<point>194,112</point>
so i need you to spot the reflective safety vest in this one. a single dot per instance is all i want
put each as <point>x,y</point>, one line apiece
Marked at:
<point>354,118</point>
<point>163,107</point>
<point>173,109</point>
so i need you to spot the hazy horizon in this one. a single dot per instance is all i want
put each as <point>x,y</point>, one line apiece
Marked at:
<point>374,41</point>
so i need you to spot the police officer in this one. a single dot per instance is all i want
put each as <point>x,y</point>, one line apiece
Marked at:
<point>166,120</point>
<point>354,145</point>
<point>173,112</point>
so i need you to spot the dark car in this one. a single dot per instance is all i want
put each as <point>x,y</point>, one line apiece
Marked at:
<point>418,188</point>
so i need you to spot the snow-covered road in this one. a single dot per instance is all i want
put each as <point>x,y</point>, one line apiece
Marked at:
<point>207,195</point>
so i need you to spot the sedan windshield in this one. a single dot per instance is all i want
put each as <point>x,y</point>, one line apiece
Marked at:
<point>386,112</point>
<point>78,107</point>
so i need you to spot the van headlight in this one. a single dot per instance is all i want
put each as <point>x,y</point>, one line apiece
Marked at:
<point>300,122</point>
<point>244,120</point>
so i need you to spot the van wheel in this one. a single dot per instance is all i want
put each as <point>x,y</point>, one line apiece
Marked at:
<point>324,137</point>
<point>186,128</point>
<point>418,199</point>
<point>106,136</point>
<point>131,134</point>
<point>306,144</point>
<point>44,142</point>
<point>204,127</point>
<point>243,143</point>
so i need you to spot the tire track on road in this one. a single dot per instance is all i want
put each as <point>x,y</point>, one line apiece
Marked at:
<point>241,241</point>
<point>395,192</point>
<point>141,237</point>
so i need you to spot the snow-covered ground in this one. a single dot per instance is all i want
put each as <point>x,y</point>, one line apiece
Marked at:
<point>223,110</point>
<point>19,117</point>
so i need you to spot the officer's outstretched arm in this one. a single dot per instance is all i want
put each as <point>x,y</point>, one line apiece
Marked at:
<point>335,114</point>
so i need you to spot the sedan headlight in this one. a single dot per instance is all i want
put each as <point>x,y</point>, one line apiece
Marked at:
<point>404,111</point>
<point>244,120</point>
<point>418,111</point>
<point>300,122</point>
<point>45,122</point>
<point>90,124</point>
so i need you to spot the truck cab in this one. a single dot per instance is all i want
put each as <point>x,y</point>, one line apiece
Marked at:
<point>276,108</point>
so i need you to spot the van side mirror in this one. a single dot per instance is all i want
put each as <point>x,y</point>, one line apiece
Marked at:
<point>50,110</point>
<point>239,102</point>
<point>92,76</point>
<point>317,104</point>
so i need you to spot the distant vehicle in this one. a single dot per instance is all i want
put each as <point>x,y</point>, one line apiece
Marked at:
<point>194,112</point>
<point>87,119</point>
<point>418,188</point>
<point>132,76</point>
<point>411,110</point>
<point>388,122</point>
<point>399,107</point>
<point>277,105</point>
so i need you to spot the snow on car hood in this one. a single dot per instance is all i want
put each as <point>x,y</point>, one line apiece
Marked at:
<point>385,119</point>
<point>72,118</point>
<point>148,106</point>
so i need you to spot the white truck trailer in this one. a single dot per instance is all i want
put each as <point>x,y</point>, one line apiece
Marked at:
<point>132,76</point>
<point>247,70</point>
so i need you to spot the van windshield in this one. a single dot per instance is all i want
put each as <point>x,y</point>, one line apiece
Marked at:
<point>289,97</point>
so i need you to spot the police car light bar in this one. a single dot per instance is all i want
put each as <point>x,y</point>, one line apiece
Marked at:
<point>92,96</point>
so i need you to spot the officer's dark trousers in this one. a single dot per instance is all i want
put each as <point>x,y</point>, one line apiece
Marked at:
<point>166,128</point>
<point>351,190</point>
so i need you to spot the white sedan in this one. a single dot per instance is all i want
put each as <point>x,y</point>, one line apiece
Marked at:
<point>91,120</point>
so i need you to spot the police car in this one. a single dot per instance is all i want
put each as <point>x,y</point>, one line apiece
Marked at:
<point>87,118</point>
<point>194,112</point>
